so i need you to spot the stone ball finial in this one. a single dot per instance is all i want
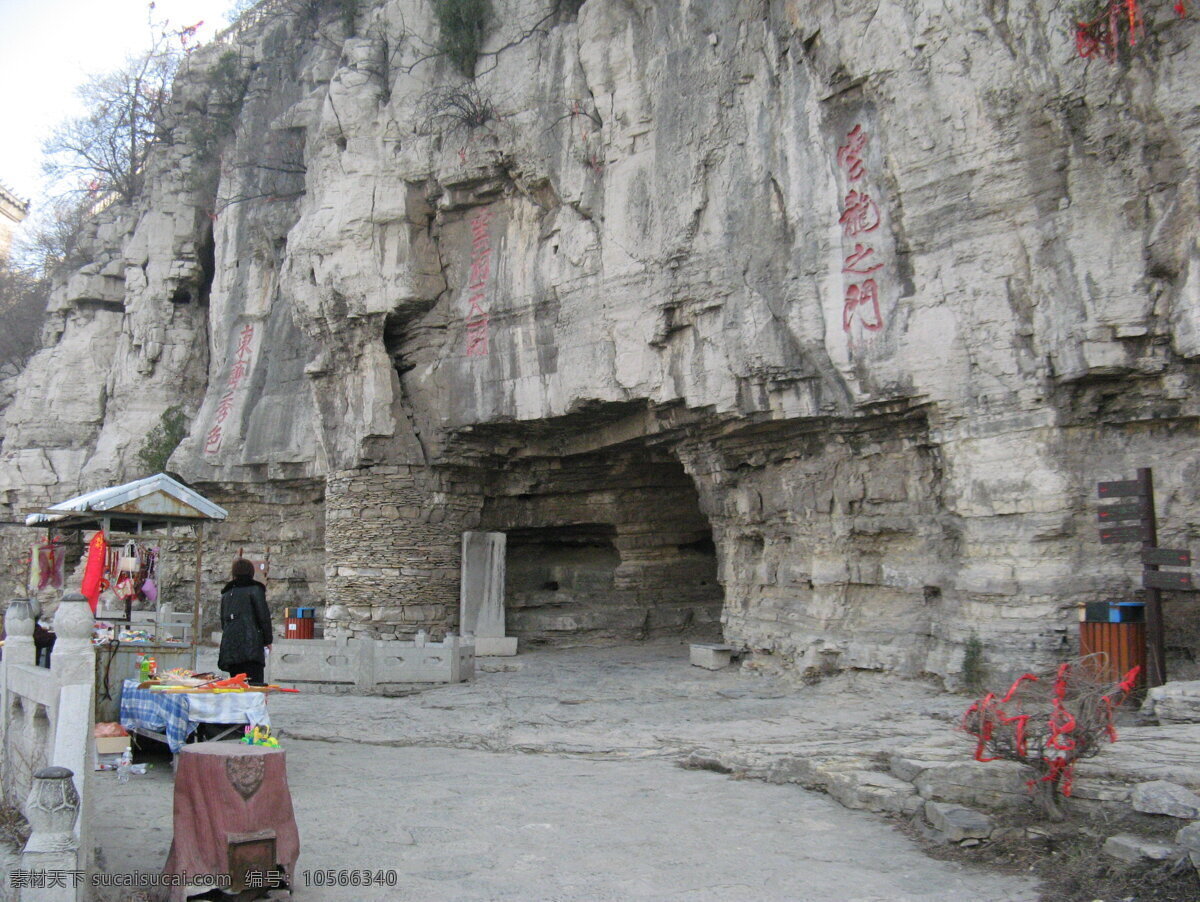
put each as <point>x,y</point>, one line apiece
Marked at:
<point>18,620</point>
<point>73,619</point>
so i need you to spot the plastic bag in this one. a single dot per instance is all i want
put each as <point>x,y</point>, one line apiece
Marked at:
<point>149,590</point>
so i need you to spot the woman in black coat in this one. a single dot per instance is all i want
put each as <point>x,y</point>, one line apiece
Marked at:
<point>245,624</point>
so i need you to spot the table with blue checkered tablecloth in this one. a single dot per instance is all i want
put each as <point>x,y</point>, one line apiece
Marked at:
<point>176,714</point>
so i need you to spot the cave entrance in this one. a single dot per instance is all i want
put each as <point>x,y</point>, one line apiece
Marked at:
<point>604,548</point>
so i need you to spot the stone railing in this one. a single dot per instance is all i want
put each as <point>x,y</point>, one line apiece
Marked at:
<point>369,666</point>
<point>45,739</point>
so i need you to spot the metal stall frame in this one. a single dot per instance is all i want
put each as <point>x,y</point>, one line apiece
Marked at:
<point>135,508</point>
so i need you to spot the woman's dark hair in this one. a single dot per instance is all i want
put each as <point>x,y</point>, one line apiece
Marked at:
<point>242,568</point>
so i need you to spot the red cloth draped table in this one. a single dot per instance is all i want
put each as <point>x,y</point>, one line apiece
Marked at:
<point>230,792</point>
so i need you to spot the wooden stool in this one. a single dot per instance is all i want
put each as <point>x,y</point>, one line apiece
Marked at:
<point>234,821</point>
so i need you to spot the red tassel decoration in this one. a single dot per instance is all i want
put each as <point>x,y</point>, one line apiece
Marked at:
<point>1135,21</point>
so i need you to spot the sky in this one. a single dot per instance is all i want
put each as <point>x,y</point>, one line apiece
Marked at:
<point>49,47</point>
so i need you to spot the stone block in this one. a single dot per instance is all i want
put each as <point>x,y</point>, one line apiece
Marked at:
<point>1101,791</point>
<point>711,657</point>
<point>909,763</point>
<point>1189,837</point>
<point>1177,702</point>
<point>1133,848</point>
<point>996,784</point>
<point>873,791</point>
<point>957,823</point>
<point>491,647</point>
<point>1161,797</point>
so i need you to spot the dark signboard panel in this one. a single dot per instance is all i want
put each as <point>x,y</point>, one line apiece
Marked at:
<point>1124,489</point>
<point>1110,535</point>
<point>1165,579</point>
<point>1166,557</point>
<point>1134,510</point>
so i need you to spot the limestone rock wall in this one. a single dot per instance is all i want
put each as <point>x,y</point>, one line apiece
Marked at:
<point>895,283</point>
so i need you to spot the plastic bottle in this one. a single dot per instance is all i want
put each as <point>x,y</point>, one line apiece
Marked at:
<point>144,667</point>
<point>123,767</point>
<point>153,667</point>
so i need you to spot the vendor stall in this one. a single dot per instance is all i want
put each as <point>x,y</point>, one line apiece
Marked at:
<point>127,558</point>
<point>171,717</point>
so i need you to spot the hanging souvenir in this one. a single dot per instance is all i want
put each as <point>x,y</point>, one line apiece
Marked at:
<point>128,561</point>
<point>125,588</point>
<point>93,575</point>
<point>50,560</point>
<point>35,571</point>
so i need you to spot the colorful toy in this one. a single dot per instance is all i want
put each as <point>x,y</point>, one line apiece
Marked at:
<point>260,736</point>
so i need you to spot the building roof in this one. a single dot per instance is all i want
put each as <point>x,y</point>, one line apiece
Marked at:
<point>154,501</point>
<point>12,206</point>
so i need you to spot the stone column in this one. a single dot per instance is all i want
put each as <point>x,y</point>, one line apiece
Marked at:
<point>51,809</point>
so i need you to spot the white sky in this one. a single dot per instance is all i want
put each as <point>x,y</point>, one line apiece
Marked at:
<point>48,47</point>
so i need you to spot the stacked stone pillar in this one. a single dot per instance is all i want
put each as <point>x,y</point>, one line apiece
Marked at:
<point>393,540</point>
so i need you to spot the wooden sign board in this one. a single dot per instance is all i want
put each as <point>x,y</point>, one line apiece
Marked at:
<point>1164,579</point>
<point>1127,488</point>
<point>1166,557</point>
<point>1134,510</point>
<point>1111,535</point>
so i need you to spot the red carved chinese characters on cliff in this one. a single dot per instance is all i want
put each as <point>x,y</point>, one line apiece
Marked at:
<point>477,284</point>
<point>237,373</point>
<point>860,220</point>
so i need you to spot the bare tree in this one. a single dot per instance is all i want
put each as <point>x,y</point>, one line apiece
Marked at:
<point>23,295</point>
<point>105,150</point>
<point>53,237</point>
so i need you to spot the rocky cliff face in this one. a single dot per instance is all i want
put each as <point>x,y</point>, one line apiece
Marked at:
<point>815,322</point>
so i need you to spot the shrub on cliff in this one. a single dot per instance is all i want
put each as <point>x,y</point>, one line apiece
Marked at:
<point>462,23</point>
<point>162,440</point>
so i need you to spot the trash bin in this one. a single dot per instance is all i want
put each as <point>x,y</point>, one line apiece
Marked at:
<point>298,627</point>
<point>1118,630</point>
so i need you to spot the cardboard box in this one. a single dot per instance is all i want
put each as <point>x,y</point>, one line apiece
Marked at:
<point>111,745</point>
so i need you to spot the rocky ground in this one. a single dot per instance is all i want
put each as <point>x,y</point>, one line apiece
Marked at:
<point>589,774</point>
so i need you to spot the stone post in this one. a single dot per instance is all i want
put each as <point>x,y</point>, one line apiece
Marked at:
<point>74,658</point>
<point>18,625</point>
<point>74,667</point>
<point>18,649</point>
<point>51,809</point>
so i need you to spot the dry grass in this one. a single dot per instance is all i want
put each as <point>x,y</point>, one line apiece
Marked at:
<point>14,829</point>
<point>1066,858</point>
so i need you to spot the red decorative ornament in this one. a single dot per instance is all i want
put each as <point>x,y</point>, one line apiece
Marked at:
<point>1101,36</point>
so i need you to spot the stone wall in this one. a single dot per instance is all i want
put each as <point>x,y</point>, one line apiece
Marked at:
<point>393,540</point>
